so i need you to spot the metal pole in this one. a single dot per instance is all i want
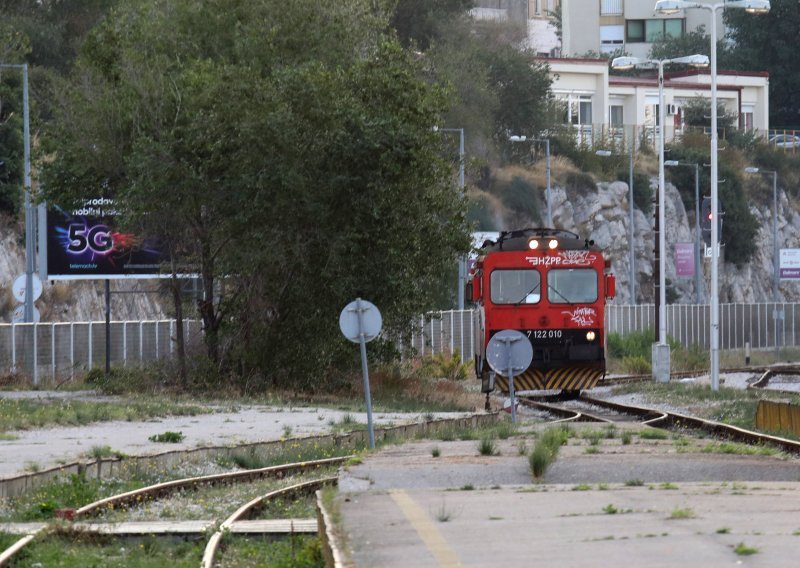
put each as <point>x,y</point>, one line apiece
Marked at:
<point>363,343</point>
<point>777,312</point>
<point>549,205</point>
<point>631,239</point>
<point>462,265</point>
<point>662,296</point>
<point>697,233</point>
<point>108,326</point>
<point>776,273</point>
<point>714,207</point>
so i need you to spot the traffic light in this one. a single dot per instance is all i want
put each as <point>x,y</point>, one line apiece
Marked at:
<point>705,220</point>
<point>706,217</point>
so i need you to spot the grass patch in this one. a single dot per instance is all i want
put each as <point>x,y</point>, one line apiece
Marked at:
<point>296,551</point>
<point>167,437</point>
<point>546,449</point>
<point>487,446</point>
<point>653,434</point>
<point>26,414</point>
<point>101,452</point>
<point>634,483</point>
<point>71,549</point>
<point>743,550</point>
<point>679,513</point>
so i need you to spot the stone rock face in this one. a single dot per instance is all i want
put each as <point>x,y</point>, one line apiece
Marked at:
<point>604,216</point>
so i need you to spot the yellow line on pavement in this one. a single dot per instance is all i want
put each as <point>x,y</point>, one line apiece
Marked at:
<point>426,530</point>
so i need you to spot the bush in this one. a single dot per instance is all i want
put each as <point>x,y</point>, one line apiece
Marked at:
<point>642,193</point>
<point>579,183</point>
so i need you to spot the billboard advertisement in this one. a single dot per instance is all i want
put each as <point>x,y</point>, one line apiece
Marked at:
<point>83,244</point>
<point>789,264</point>
<point>684,260</point>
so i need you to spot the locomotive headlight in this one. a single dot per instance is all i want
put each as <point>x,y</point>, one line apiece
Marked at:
<point>552,244</point>
<point>533,244</point>
<point>590,335</point>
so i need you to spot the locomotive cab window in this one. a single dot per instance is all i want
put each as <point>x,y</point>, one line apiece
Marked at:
<point>515,286</point>
<point>572,286</point>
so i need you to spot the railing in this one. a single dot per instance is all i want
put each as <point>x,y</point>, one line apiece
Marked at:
<point>761,326</point>
<point>57,351</point>
<point>611,7</point>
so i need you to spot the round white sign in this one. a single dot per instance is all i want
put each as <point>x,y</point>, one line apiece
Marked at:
<point>18,315</point>
<point>18,288</point>
<point>371,321</point>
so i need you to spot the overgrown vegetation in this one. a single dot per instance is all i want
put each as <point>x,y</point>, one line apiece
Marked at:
<point>546,449</point>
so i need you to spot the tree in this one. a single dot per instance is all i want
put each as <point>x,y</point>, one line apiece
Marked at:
<point>284,151</point>
<point>420,22</point>
<point>767,42</point>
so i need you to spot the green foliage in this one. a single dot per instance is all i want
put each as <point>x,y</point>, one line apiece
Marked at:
<point>479,213</point>
<point>634,344</point>
<point>642,193</point>
<point>301,223</point>
<point>420,22</point>
<point>487,446</point>
<point>546,449</point>
<point>520,197</point>
<point>580,183</point>
<point>445,366</point>
<point>167,437</point>
<point>765,42</point>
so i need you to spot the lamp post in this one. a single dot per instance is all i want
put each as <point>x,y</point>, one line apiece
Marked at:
<point>462,263</point>
<point>30,221</point>
<point>697,282</point>
<point>661,363</point>
<point>631,240</point>
<point>514,138</point>
<point>775,251</point>
<point>667,7</point>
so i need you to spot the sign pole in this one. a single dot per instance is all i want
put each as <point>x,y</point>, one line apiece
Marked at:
<point>508,341</point>
<point>365,370</point>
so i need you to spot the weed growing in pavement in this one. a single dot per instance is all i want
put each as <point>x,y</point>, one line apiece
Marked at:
<point>582,487</point>
<point>653,434</point>
<point>668,486</point>
<point>634,483</point>
<point>443,514</point>
<point>627,437</point>
<point>546,449</point>
<point>487,446</point>
<point>468,487</point>
<point>592,450</point>
<point>287,430</point>
<point>167,437</point>
<point>740,449</point>
<point>610,431</point>
<point>610,509</point>
<point>522,447</point>
<point>436,452</point>
<point>743,550</point>
<point>723,530</point>
<point>679,513</point>
<point>602,486</point>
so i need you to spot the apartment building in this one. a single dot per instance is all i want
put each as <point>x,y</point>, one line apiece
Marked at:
<point>605,26</point>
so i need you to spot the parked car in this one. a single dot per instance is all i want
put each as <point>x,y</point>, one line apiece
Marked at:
<point>785,141</point>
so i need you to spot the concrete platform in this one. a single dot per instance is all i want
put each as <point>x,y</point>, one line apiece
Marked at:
<point>644,504</point>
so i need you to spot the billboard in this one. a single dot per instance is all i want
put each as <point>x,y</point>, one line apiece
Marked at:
<point>684,260</point>
<point>83,244</point>
<point>789,264</point>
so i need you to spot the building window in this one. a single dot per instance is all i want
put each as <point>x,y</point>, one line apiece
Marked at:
<point>648,31</point>
<point>746,120</point>
<point>615,115</point>
<point>611,7</point>
<point>612,38</point>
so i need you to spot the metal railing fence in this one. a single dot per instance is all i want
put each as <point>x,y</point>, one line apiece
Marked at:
<point>762,326</point>
<point>51,352</point>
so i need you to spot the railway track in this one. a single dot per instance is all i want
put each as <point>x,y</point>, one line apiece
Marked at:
<point>161,490</point>
<point>583,409</point>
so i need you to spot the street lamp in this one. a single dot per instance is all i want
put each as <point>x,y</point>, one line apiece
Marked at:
<point>515,138</point>
<point>631,240</point>
<point>667,7</point>
<point>775,252</point>
<point>30,221</point>
<point>661,362</point>
<point>697,286</point>
<point>462,264</point>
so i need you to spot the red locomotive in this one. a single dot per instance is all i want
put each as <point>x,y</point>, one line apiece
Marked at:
<point>552,286</point>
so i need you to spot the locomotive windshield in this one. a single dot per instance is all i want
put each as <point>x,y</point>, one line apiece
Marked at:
<point>515,286</point>
<point>572,286</point>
